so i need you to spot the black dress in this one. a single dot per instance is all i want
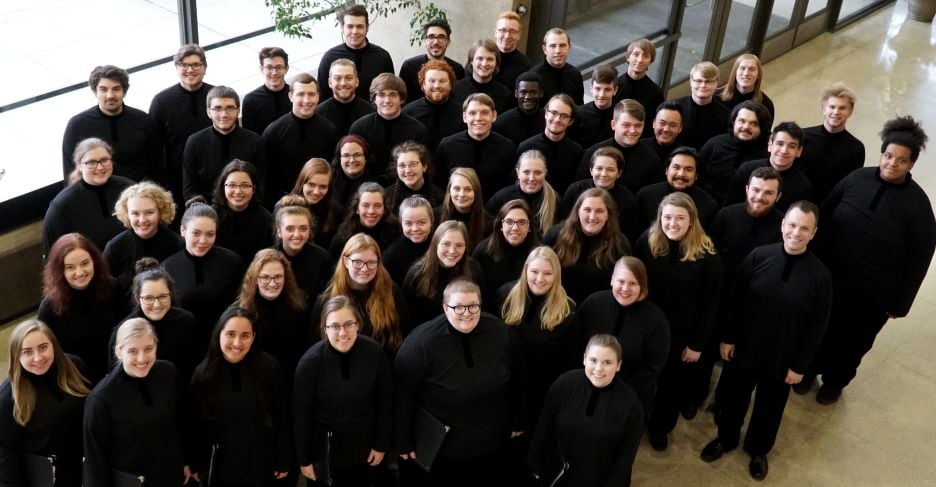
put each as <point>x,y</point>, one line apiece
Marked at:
<point>312,267</point>
<point>244,232</point>
<point>283,332</point>
<point>401,255</point>
<point>85,209</point>
<point>174,331</point>
<point>425,308</point>
<point>584,277</point>
<point>123,251</point>
<point>507,269</point>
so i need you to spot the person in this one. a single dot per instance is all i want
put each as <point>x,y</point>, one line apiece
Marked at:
<point>370,59</point>
<point>606,167</point>
<point>478,147</point>
<point>310,262</point>
<point>413,166</point>
<point>279,307</point>
<point>314,184</point>
<point>503,253</point>
<point>388,126</point>
<point>437,34</point>
<point>785,146</point>
<point>465,203</point>
<point>643,166</point>
<point>367,213</point>
<point>210,149</point>
<point>588,243</point>
<point>558,75</point>
<point>353,167</point>
<point>458,367</point>
<point>297,136</point>
<point>830,151</point>
<point>684,276</point>
<point>665,131</point>
<point>153,300</point>
<point>723,154</point>
<point>41,404</point>
<point>244,225</point>
<point>703,117</point>
<point>179,111</point>
<point>146,210</point>
<point>270,100</point>
<point>416,220</point>
<point>344,107</point>
<point>360,275</point>
<point>781,300</point>
<point>78,301</point>
<point>635,84</point>
<point>560,152</point>
<point>133,413</point>
<point>241,425</point>
<point>744,83</point>
<point>138,152</point>
<point>594,419</point>
<point>507,34</point>
<point>435,108</point>
<point>205,275</point>
<point>483,63</point>
<point>342,407</point>
<point>871,209</point>
<point>446,260</point>
<point>86,205</point>
<point>593,119</point>
<point>640,326</point>
<point>528,118</point>
<point>682,173</point>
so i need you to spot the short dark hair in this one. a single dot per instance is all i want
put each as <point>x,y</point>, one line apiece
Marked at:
<point>237,165</point>
<point>529,77</point>
<point>805,206</point>
<point>767,173</point>
<point>685,151</point>
<point>222,91</point>
<point>670,105</point>
<point>303,78</point>
<point>189,50</point>
<point>437,22</point>
<point>272,52</point>
<point>760,111</point>
<point>605,74</point>
<point>110,72</point>
<point>353,11</point>
<point>791,129</point>
<point>905,132</point>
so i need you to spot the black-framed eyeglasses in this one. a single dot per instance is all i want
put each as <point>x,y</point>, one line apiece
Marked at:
<point>150,300</point>
<point>460,309</point>
<point>102,162</point>
<point>240,186</point>
<point>359,264</point>
<point>195,66</point>
<point>439,37</point>
<point>265,279</point>
<point>560,115</point>
<point>509,222</point>
<point>279,68</point>
<point>228,110</point>
<point>336,327</point>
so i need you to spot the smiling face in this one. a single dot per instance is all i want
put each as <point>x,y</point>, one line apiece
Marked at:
<point>36,355</point>
<point>798,229</point>
<point>681,172</point>
<point>746,76</point>
<point>464,323</point>
<point>556,49</point>
<point>294,231</point>
<point>638,61</point>
<point>110,95</point>
<point>480,119</point>
<point>370,209</point>
<point>667,125</point>
<point>437,86</point>
<point>316,188</point>
<point>835,113</point>
<point>558,118</point>
<point>507,34</point>
<point>627,129</point>
<point>389,103</point>
<point>191,72</point>
<point>528,94</point>
<point>237,336</point>
<point>341,329</point>
<point>784,150</point>
<point>238,190</point>
<point>352,159</point>
<point>675,222</point>
<point>143,215</point>
<point>540,277</point>
<point>155,299</point>
<point>515,226</point>
<point>461,192</point>
<point>79,269</point>
<point>451,248</point>
<point>483,65</point>
<point>437,42</point>
<point>274,72</point>
<point>343,81</point>
<point>199,234</point>
<point>360,278</point>
<point>703,89</point>
<point>138,355</point>
<point>601,363</point>
<point>417,223</point>
<point>593,215</point>
<point>895,163</point>
<point>624,286</point>
<point>271,280</point>
<point>354,31</point>
<point>605,172</point>
<point>96,166</point>
<point>223,113</point>
<point>746,127</point>
<point>410,169</point>
<point>762,195</point>
<point>304,98</point>
<point>603,94</point>
<point>531,174</point>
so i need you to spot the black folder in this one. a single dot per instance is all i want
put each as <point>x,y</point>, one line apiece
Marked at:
<point>40,470</point>
<point>124,479</point>
<point>212,464</point>
<point>428,435</point>
<point>556,465</point>
<point>323,471</point>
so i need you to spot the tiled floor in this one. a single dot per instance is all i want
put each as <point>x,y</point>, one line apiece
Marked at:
<point>881,433</point>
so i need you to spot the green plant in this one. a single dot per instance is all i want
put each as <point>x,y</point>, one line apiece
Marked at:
<point>290,15</point>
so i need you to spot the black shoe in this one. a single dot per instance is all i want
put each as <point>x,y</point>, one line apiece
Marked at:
<point>804,385</point>
<point>758,467</point>
<point>828,395</point>
<point>688,411</point>
<point>714,450</point>
<point>659,441</point>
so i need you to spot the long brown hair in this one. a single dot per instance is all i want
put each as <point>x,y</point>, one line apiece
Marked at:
<point>731,86</point>
<point>428,265</point>
<point>476,214</point>
<point>497,245</point>
<point>557,306</point>
<point>327,220</point>
<point>55,287</point>
<point>67,376</point>
<point>295,297</point>
<point>613,243</point>
<point>694,245</point>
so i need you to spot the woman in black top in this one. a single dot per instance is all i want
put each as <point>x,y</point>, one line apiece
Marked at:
<point>242,432</point>
<point>351,168</point>
<point>147,210</point>
<point>41,404</point>
<point>78,302</point>
<point>591,420</point>
<point>132,425</point>
<point>368,213</point>
<point>244,225</point>
<point>310,263</point>
<point>464,202</point>
<point>532,188</point>
<point>416,220</point>
<point>343,400</point>
<point>413,176</point>
<point>503,253</point>
<point>314,185</point>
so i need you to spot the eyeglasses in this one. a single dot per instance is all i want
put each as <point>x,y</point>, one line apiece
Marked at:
<point>359,264</point>
<point>240,186</point>
<point>102,162</point>
<point>509,222</point>
<point>460,309</point>
<point>227,110</point>
<point>503,31</point>
<point>700,81</point>
<point>194,66</point>
<point>162,298</point>
<point>336,327</point>
<point>279,68</point>
<point>560,115</point>
<point>434,37</point>
<point>356,155</point>
<point>265,279</point>
<point>408,165</point>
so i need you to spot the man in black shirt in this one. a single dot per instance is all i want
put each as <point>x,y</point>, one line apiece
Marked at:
<point>344,107</point>
<point>437,35</point>
<point>370,59</point>
<point>593,119</point>
<point>507,34</point>
<point>484,60</point>
<point>388,126</point>
<point>666,128</point>
<point>558,75</point>
<point>723,154</point>
<point>436,110</point>
<point>703,117</point>
<point>271,100</point>
<point>634,83</point>
<point>562,153</point>
<point>681,175</point>
<point>784,146</point>
<point>528,117</point>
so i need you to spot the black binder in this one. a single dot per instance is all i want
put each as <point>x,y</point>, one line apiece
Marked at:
<point>124,479</point>
<point>323,471</point>
<point>428,435</point>
<point>39,470</point>
<point>212,464</point>
<point>556,465</point>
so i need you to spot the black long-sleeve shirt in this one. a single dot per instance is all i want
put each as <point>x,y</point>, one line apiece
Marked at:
<point>827,158</point>
<point>649,198</point>
<point>283,332</point>
<point>518,126</point>
<point>702,122</point>
<point>425,308</point>
<point>85,209</point>
<point>348,394</point>
<point>409,73</point>
<point>795,185</point>
<point>592,125</point>
<point>562,156</point>
<point>502,95</point>
<point>289,142</point>
<point>312,267</point>
<point>208,151</point>
<point>662,151</point>
<point>262,106</point>
<point>736,233</point>
<point>123,251</point>
<point>244,232</point>
<point>344,114</point>
<point>178,113</point>
<point>382,135</point>
<point>512,65</point>
<point>500,272</point>
<point>440,119</point>
<point>567,79</point>
<point>641,165</point>
<point>138,150</point>
<point>492,157</point>
<point>175,331</point>
<point>584,277</point>
<point>645,91</point>
<point>721,157</point>
<point>401,255</point>
<point>738,98</point>
<point>370,61</point>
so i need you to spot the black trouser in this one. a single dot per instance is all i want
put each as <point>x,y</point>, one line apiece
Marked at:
<point>853,326</point>
<point>480,470</point>
<point>770,398</point>
<point>678,380</point>
<point>357,476</point>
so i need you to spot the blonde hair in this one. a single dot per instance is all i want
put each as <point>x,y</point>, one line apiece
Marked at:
<point>557,306</point>
<point>694,245</point>
<point>546,213</point>
<point>131,330</point>
<point>146,189</point>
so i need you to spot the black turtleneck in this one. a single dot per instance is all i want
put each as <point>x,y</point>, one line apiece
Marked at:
<point>382,135</point>
<point>409,73</point>
<point>592,124</point>
<point>262,106</point>
<point>641,165</point>
<point>244,232</point>
<point>400,255</point>
<point>567,79</point>
<point>583,278</point>
<point>370,61</point>
<point>502,96</point>
<point>138,150</point>
<point>425,308</point>
<point>518,126</point>
<point>721,157</point>
<point>177,114</point>
<point>283,332</point>
<point>440,119</point>
<point>208,151</point>
<point>662,151</point>
<point>85,209</point>
<point>645,91</point>
<point>512,65</point>
<point>492,157</point>
<point>827,158</point>
<point>702,122</point>
<point>175,331</point>
<point>343,114</point>
<point>399,191</point>
<point>561,158</point>
<point>738,98</point>
<point>312,268</point>
<point>289,142</point>
<point>123,251</point>
<point>506,269</point>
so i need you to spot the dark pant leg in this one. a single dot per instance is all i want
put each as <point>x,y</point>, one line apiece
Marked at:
<point>736,385</point>
<point>465,472</point>
<point>852,331</point>
<point>666,404</point>
<point>769,402</point>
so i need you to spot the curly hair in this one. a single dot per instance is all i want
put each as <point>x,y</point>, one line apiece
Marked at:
<point>146,189</point>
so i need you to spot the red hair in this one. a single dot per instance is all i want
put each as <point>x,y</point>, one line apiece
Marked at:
<point>54,286</point>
